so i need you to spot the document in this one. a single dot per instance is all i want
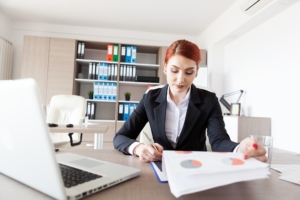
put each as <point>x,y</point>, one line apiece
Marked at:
<point>193,171</point>
<point>157,168</point>
<point>290,173</point>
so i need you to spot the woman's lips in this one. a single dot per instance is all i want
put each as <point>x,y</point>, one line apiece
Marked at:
<point>179,86</point>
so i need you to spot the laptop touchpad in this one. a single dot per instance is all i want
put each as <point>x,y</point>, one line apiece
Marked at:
<point>87,163</point>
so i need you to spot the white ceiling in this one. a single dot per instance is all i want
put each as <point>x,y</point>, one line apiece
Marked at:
<point>186,17</point>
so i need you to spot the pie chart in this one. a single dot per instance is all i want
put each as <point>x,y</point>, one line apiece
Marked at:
<point>191,164</point>
<point>232,161</point>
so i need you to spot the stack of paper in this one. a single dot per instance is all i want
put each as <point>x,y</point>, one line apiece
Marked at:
<point>190,171</point>
<point>290,173</point>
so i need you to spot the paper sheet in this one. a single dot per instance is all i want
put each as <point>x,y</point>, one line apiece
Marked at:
<point>189,172</point>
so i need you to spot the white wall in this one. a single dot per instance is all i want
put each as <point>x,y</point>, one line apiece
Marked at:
<point>5,24</point>
<point>19,29</point>
<point>259,54</point>
<point>265,63</point>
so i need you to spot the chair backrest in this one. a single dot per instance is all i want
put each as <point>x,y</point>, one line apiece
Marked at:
<point>147,127</point>
<point>66,109</point>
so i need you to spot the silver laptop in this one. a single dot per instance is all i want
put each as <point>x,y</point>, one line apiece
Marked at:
<point>27,153</point>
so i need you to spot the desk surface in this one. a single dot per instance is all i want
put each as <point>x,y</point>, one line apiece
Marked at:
<point>147,187</point>
<point>79,129</point>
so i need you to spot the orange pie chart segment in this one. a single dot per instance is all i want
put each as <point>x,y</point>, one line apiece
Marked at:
<point>232,161</point>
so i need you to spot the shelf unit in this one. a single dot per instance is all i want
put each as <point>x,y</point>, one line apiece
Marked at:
<point>148,63</point>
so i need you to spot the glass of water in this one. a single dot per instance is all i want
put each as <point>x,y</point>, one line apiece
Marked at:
<point>267,142</point>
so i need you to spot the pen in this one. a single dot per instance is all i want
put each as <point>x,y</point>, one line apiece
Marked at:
<point>153,145</point>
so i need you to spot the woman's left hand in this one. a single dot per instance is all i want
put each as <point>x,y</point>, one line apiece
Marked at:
<point>252,149</point>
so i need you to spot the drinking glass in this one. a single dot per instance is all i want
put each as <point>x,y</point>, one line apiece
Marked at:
<point>267,143</point>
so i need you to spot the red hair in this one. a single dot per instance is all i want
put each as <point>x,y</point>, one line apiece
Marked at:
<point>184,48</point>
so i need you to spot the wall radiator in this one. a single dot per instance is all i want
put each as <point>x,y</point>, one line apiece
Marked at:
<point>6,56</point>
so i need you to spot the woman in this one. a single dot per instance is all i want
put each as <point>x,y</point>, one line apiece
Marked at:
<point>179,114</point>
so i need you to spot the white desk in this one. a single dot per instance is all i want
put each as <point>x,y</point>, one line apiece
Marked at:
<point>146,186</point>
<point>98,131</point>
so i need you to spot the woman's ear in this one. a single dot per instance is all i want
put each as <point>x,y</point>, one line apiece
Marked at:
<point>197,71</point>
<point>165,68</point>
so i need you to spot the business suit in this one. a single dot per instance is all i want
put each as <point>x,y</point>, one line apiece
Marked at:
<point>203,112</point>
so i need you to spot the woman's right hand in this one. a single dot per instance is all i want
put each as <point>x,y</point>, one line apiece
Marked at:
<point>147,153</point>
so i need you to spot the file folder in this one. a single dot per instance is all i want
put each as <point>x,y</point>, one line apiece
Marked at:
<point>133,54</point>
<point>90,76</point>
<point>123,53</point>
<point>124,72</point>
<point>120,111</point>
<point>93,110</point>
<point>105,71</point>
<point>127,78</point>
<point>109,52</point>
<point>116,53</point>
<point>130,73</point>
<point>105,91</point>
<point>131,108</point>
<point>100,86</point>
<point>116,72</point>
<point>101,71</point>
<point>94,71</point>
<point>133,73</point>
<point>89,110</point>
<point>114,97</point>
<point>110,91</point>
<point>109,72</point>
<point>97,70</point>
<point>79,50</point>
<point>126,111</point>
<point>128,54</point>
<point>121,73</point>
<point>82,50</point>
<point>96,91</point>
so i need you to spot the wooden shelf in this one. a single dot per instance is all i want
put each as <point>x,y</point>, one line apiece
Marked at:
<point>144,65</point>
<point>123,101</point>
<point>136,83</point>
<point>102,120</point>
<point>102,101</point>
<point>87,61</point>
<point>92,81</point>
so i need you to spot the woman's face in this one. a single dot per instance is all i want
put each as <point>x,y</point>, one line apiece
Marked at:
<point>180,72</point>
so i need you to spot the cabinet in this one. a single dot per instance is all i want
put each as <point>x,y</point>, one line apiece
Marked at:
<point>240,127</point>
<point>51,62</point>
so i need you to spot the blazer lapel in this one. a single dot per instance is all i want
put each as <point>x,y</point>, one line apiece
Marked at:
<point>160,115</point>
<point>192,115</point>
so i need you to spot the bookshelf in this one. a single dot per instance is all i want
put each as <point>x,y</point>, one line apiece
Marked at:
<point>148,63</point>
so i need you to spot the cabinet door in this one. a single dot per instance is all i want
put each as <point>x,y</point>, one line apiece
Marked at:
<point>161,74</point>
<point>35,61</point>
<point>61,67</point>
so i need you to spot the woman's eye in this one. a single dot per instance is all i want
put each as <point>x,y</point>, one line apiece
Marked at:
<point>174,71</point>
<point>189,72</point>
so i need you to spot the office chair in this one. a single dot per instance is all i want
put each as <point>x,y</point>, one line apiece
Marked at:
<point>66,109</point>
<point>147,127</point>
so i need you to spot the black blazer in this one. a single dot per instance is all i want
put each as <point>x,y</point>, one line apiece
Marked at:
<point>203,112</point>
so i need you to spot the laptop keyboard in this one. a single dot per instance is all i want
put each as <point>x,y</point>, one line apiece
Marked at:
<point>72,176</point>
